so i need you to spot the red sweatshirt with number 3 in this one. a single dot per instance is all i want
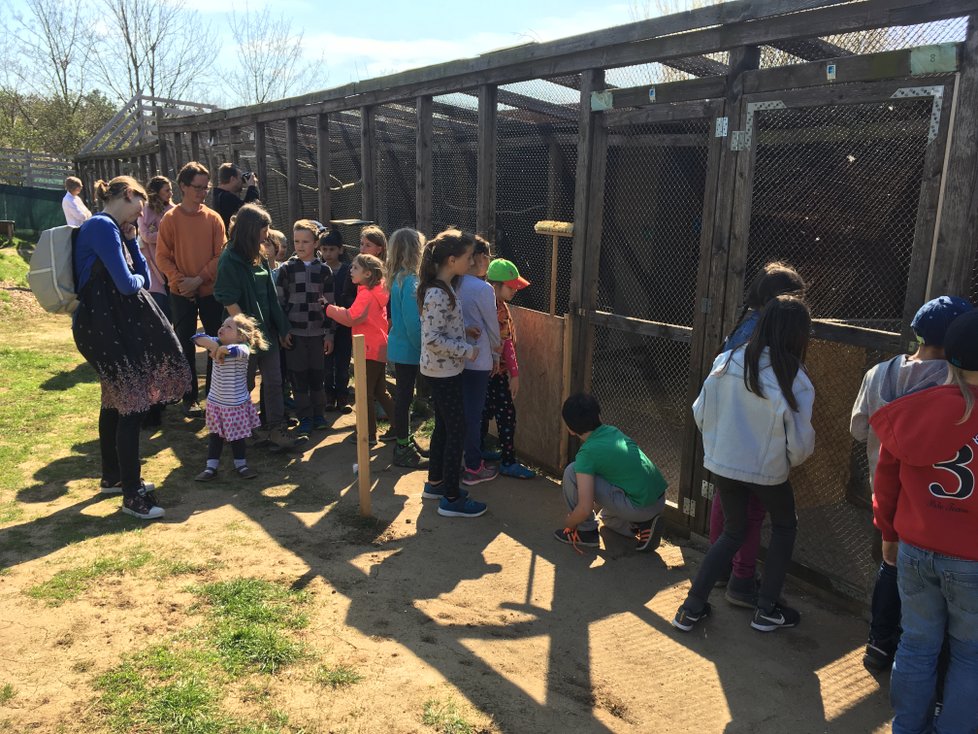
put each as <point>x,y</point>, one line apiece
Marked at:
<point>926,485</point>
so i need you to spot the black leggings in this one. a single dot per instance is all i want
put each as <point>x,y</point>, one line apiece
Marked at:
<point>447,440</point>
<point>405,375</point>
<point>118,438</point>
<point>215,444</point>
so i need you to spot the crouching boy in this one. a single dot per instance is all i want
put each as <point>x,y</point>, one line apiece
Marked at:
<point>612,472</point>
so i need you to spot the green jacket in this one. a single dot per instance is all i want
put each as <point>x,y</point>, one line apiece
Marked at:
<point>235,283</point>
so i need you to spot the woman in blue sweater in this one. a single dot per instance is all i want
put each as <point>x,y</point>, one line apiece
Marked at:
<point>120,330</point>
<point>404,339</point>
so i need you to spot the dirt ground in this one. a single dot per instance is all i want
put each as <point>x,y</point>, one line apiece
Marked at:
<point>525,634</point>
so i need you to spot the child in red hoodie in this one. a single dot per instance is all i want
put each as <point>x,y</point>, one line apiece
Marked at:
<point>368,316</point>
<point>926,508</point>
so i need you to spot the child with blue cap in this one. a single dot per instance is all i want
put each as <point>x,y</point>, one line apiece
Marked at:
<point>884,383</point>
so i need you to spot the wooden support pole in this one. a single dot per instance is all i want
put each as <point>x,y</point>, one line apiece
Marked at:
<point>553,276</point>
<point>322,167</point>
<point>423,166</point>
<point>213,161</point>
<point>195,146</point>
<point>363,440</point>
<point>368,164</point>
<point>485,218</point>
<point>565,390</point>
<point>234,139</point>
<point>261,156</point>
<point>957,230</point>
<point>292,168</point>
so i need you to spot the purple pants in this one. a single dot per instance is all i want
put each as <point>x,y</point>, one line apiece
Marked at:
<point>745,561</point>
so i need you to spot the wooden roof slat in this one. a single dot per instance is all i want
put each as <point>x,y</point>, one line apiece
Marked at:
<point>698,66</point>
<point>811,49</point>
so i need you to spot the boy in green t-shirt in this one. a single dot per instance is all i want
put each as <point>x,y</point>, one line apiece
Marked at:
<point>611,471</point>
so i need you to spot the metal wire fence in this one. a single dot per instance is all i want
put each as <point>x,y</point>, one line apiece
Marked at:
<point>396,158</point>
<point>454,161</point>
<point>536,166</point>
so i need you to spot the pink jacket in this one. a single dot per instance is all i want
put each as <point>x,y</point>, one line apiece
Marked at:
<point>367,316</point>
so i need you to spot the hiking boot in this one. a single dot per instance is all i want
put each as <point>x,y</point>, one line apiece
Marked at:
<point>305,427</point>
<point>742,592</point>
<point>578,538</point>
<point>139,507</point>
<point>877,657</point>
<point>423,452</point>
<point>408,457</point>
<point>207,475</point>
<point>281,440</point>
<point>461,507</point>
<point>686,620</point>
<point>648,534</point>
<point>776,617</point>
<point>245,472</point>
<point>437,491</point>
<point>481,474</point>
<point>319,423</point>
<point>517,471</point>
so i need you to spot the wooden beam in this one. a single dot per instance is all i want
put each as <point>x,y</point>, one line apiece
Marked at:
<point>368,163</point>
<point>542,107</point>
<point>958,225</point>
<point>423,166</point>
<point>195,145</point>
<point>322,167</point>
<point>234,144</point>
<point>486,178</point>
<point>719,27</point>
<point>261,156</point>
<point>869,67</point>
<point>292,170</point>
<point>669,92</point>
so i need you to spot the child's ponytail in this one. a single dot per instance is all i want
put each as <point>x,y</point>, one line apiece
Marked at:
<point>249,328</point>
<point>783,328</point>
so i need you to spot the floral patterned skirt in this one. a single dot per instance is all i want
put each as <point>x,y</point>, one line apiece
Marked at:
<point>232,422</point>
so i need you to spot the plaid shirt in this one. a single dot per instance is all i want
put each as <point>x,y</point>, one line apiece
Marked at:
<point>300,287</point>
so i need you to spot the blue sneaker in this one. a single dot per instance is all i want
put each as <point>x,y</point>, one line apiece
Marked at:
<point>305,426</point>
<point>462,507</point>
<point>516,470</point>
<point>437,491</point>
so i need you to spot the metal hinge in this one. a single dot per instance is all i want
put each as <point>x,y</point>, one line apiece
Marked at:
<point>707,490</point>
<point>705,305</point>
<point>689,507</point>
<point>739,140</point>
<point>721,128</point>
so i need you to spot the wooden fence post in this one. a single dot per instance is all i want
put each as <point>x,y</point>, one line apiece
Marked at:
<point>322,166</point>
<point>485,205</point>
<point>292,168</point>
<point>363,440</point>
<point>423,166</point>
<point>368,164</point>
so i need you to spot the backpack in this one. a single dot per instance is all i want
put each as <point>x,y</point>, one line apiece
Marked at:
<point>52,271</point>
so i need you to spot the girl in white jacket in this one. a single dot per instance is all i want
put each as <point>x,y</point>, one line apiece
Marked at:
<point>755,414</point>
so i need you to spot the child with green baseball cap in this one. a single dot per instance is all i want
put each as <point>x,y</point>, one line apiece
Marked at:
<point>505,279</point>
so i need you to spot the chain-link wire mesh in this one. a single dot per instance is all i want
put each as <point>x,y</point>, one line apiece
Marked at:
<point>536,166</point>
<point>653,219</point>
<point>275,194</point>
<point>308,165</point>
<point>870,41</point>
<point>454,161</point>
<point>836,192</point>
<point>346,182</point>
<point>395,133</point>
<point>641,383</point>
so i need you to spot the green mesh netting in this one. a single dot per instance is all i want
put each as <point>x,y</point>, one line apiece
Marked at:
<point>30,208</point>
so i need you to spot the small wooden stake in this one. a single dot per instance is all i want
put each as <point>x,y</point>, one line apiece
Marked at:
<point>363,440</point>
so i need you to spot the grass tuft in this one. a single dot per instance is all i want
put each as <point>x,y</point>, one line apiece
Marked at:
<point>7,693</point>
<point>69,583</point>
<point>338,677</point>
<point>445,717</point>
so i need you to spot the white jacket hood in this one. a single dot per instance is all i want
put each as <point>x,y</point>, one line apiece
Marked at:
<point>748,437</point>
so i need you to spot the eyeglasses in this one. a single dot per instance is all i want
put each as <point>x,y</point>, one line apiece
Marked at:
<point>201,188</point>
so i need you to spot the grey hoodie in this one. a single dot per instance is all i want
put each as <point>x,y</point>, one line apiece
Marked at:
<point>883,384</point>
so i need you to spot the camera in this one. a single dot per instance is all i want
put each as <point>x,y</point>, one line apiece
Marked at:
<point>247,176</point>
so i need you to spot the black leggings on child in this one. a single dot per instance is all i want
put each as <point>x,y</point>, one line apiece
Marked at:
<point>447,440</point>
<point>215,445</point>
<point>499,406</point>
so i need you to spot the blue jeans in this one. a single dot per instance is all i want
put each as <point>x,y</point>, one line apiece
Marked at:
<point>474,385</point>
<point>936,592</point>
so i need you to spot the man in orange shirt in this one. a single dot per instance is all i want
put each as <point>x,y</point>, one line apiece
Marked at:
<point>190,241</point>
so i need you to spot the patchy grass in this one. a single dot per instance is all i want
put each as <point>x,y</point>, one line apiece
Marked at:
<point>7,693</point>
<point>14,263</point>
<point>445,717</point>
<point>338,677</point>
<point>69,583</point>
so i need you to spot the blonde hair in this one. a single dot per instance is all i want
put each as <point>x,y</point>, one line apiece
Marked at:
<point>955,376</point>
<point>404,254</point>
<point>251,331</point>
<point>118,187</point>
<point>373,266</point>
